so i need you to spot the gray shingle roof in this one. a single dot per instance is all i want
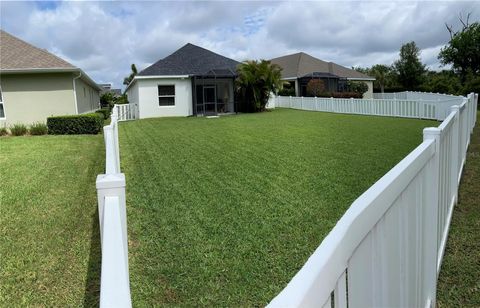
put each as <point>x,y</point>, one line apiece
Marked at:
<point>301,64</point>
<point>191,60</point>
<point>18,54</point>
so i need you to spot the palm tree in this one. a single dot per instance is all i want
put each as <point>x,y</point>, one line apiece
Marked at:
<point>381,73</point>
<point>256,81</point>
<point>127,80</point>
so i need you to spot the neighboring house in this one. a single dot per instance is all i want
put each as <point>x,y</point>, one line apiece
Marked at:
<point>35,84</point>
<point>191,81</point>
<point>300,68</point>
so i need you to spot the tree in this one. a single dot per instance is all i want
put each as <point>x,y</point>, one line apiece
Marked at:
<point>357,87</point>
<point>127,80</point>
<point>409,68</point>
<point>107,100</point>
<point>446,82</point>
<point>463,50</point>
<point>315,87</point>
<point>471,84</point>
<point>256,80</point>
<point>381,73</point>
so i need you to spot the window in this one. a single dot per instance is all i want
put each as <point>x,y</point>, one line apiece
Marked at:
<point>166,95</point>
<point>2,110</point>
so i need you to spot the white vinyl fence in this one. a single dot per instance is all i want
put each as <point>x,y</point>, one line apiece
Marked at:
<point>115,285</point>
<point>417,96</point>
<point>407,108</point>
<point>124,112</point>
<point>387,249</point>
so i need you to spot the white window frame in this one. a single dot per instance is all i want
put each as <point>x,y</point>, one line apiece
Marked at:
<point>3,105</point>
<point>159,96</point>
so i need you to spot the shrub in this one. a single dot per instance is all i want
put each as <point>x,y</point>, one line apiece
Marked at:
<point>287,92</point>
<point>341,94</point>
<point>357,86</point>
<point>105,112</point>
<point>18,129</point>
<point>315,87</point>
<point>3,131</point>
<point>90,123</point>
<point>38,129</point>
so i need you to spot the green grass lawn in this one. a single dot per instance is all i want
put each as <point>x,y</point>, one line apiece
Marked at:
<point>459,281</point>
<point>223,212</point>
<point>49,247</point>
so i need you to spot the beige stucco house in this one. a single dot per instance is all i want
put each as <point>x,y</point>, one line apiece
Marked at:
<point>35,84</point>
<point>299,68</point>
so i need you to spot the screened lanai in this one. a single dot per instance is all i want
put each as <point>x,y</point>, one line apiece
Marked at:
<point>214,93</point>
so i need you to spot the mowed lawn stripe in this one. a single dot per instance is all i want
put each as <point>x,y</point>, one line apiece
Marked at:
<point>50,248</point>
<point>225,211</point>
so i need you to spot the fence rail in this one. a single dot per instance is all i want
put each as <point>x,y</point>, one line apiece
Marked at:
<point>124,112</point>
<point>407,108</point>
<point>387,248</point>
<point>114,281</point>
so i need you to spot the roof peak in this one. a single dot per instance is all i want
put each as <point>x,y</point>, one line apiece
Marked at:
<point>189,59</point>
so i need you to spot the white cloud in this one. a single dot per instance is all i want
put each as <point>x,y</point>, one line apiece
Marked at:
<point>104,38</point>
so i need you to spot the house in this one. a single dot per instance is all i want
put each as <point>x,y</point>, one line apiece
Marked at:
<point>35,84</point>
<point>300,68</point>
<point>190,81</point>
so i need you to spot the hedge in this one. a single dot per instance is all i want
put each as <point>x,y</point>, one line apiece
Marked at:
<point>90,123</point>
<point>105,112</point>
<point>341,94</point>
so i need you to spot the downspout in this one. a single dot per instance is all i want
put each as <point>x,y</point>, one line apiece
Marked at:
<point>75,92</point>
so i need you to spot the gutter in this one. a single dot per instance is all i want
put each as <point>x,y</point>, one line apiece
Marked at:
<point>75,91</point>
<point>52,70</point>
<point>360,78</point>
<point>38,70</point>
<point>155,77</point>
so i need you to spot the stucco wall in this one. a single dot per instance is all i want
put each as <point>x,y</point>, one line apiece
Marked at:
<point>132,96</point>
<point>369,93</point>
<point>30,98</point>
<point>148,98</point>
<point>88,98</point>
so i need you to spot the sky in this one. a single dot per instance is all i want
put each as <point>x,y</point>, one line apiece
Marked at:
<point>105,37</point>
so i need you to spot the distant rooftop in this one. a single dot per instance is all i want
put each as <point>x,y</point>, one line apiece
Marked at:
<point>301,64</point>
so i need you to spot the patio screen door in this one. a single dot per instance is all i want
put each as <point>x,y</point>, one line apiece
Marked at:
<point>209,99</point>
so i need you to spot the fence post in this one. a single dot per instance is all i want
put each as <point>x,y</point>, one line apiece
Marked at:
<point>301,104</point>
<point>394,106</point>
<point>473,110</point>
<point>290,101</point>
<point>115,140</point>
<point>431,232</point>
<point>315,101</point>
<point>331,103</point>
<point>113,185</point>
<point>455,157</point>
